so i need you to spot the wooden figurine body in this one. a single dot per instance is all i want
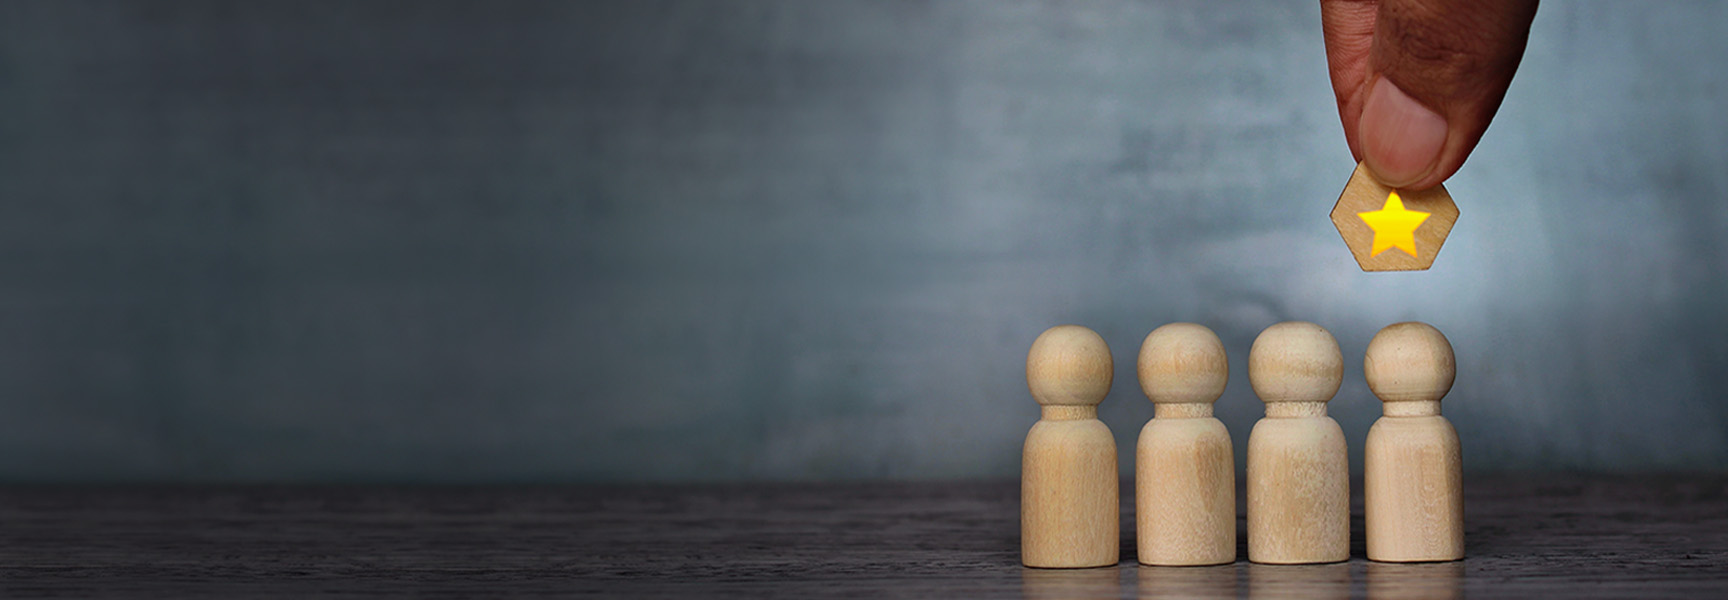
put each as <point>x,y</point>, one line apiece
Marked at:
<point>1413,492</point>
<point>1070,510</point>
<point>1298,465</point>
<point>1185,471</point>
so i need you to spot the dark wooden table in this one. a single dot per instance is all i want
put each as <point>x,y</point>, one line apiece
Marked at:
<point>1536,536</point>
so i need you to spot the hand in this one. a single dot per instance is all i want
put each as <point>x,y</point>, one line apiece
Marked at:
<point>1418,80</point>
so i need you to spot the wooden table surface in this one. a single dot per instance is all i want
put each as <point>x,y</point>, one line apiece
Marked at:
<point>1528,536</point>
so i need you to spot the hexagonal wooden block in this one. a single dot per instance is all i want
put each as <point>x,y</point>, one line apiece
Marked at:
<point>1366,200</point>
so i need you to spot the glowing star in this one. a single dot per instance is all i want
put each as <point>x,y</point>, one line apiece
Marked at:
<point>1373,219</point>
<point>1394,227</point>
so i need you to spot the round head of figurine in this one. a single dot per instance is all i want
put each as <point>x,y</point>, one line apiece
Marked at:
<point>1183,363</point>
<point>1295,362</point>
<point>1410,362</point>
<point>1069,365</point>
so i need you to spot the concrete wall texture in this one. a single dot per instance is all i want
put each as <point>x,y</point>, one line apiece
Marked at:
<point>690,240</point>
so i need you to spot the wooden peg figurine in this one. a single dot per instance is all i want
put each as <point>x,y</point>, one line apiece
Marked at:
<point>1070,513</point>
<point>1298,467</point>
<point>1413,485</point>
<point>1184,470</point>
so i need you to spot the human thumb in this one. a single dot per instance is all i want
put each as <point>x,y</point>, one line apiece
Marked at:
<point>1438,71</point>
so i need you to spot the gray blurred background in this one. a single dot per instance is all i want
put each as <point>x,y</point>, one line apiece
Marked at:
<point>663,241</point>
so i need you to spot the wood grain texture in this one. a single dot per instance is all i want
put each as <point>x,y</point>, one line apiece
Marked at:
<point>1298,491</point>
<point>1069,495</point>
<point>1413,490</point>
<point>1529,536</point>
<point>1185,498</point>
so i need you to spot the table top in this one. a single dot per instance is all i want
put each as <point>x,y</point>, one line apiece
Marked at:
<point>1527,536</point>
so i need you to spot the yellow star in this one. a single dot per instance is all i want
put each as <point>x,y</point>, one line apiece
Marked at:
<point>1393,226</point>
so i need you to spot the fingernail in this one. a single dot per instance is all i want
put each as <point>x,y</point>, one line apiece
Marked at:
<point>1401,138</point>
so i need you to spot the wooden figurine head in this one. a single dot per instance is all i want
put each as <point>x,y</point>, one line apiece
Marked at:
<point>1069,365</point>
<point>1295,361</point>
<point>1183,363</point>
<point>1409,362</point>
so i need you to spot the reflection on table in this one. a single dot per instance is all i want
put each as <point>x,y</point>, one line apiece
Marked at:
<point>1186,582</point>
<point>1267,582</point>
<point>1412,581</point>
<point>1378,581</point>
<point>1061,584</point>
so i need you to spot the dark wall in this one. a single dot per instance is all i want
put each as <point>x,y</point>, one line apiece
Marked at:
<point>592,241</point>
